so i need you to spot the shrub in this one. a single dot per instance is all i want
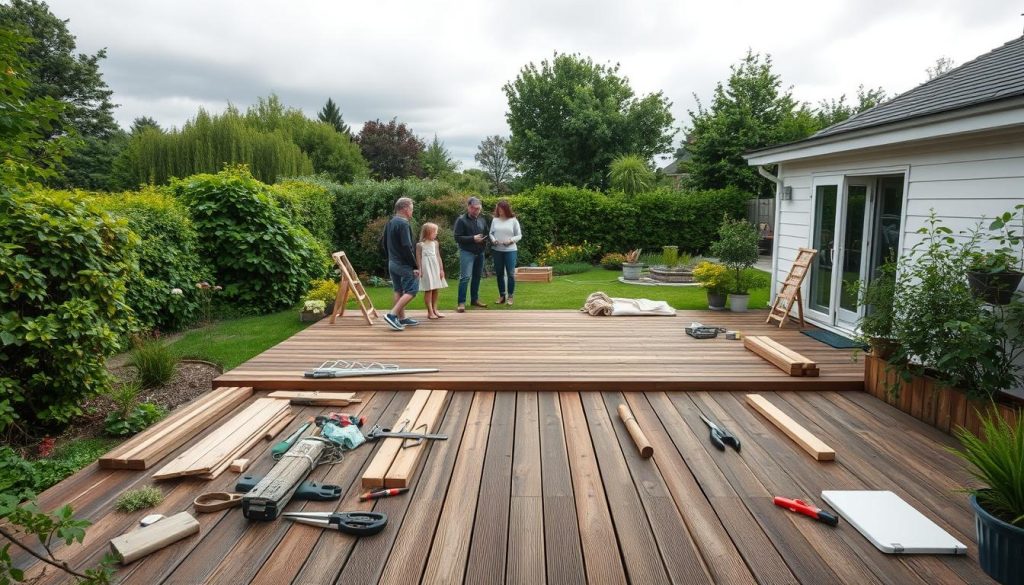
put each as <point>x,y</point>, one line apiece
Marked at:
<point>712,276</point>
<point>63,268</point>
<point>140,417</point>
<point>139,499</point>
<point>22,478</point>
<point>570,268</point>
<point>154,363</point>
<point>630,174</point>
<point>263,260</point>
<point>688,219</point>
<point>737,249</point>
<point>308,203</point>
<point>445,209</point>
<point>366,254</point>
<point>568,254</point>
<point>612,261</point>
<point>323,290</point>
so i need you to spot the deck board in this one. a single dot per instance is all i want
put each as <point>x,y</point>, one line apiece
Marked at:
<point>549,350</point>
<point>545,487</point>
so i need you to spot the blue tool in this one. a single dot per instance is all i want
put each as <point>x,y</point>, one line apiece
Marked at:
<point>354,523</point>
<point>721,437</point>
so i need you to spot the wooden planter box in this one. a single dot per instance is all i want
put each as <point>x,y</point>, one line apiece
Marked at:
<point>929,400</point>
<point>534,274</point>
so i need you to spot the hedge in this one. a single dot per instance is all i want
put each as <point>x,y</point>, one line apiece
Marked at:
<point>308,202</point>
<point>63,268</point>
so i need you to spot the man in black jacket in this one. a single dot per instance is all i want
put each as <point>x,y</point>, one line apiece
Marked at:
<point>471,235</point>
<point>405,274</point>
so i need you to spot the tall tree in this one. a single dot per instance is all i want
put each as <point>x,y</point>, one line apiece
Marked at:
<point>750,110</point>
<point>571,117</point>
<point>835,111</point>
<point>942,65</point>
<point>392,149</point>
<point>143,123</point>
<point>492,155</point>
<point>55,71</point>
<point>332,115</point>
<point>437,161</point>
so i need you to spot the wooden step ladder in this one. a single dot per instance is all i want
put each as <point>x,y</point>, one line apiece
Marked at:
<point>349,282</point>
<point>790,293</point>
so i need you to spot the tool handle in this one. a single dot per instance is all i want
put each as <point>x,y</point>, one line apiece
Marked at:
<point>802,507</point>
<point>716,440</point>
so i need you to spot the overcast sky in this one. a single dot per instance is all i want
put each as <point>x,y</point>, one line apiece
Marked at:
<point>439,65</point>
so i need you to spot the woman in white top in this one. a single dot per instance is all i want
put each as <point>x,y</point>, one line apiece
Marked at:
<point>505,232</point>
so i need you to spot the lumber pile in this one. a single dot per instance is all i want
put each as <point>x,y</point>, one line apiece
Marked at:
<point>213,455</point>
<point>146,448</point>
<point>393,466</point>
<point>781,356</point>
<point>534,274</point>
<point>813,445</point>
<point>316,398</point>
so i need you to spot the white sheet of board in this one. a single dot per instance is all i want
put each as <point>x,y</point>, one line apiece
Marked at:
<point>891,524</point>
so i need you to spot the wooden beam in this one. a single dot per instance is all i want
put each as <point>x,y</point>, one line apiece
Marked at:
<point>642,444</point>
<point>317,398</point>
<point>780,356</point>
<point>813,445</point>
<point>404,465</point>
<point>381,463</point>
<point>139,543</point>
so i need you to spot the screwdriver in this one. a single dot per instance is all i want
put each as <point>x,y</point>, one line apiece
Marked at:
<point>385,493</point>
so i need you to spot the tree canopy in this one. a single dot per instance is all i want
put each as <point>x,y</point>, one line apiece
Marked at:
<point>437,161</point>
<point>571,117</point>
<point>492,155</point>
<point>391,149</point>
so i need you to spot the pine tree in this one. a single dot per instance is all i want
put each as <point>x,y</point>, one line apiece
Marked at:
<point>437,161</point>
<point>332,116</point>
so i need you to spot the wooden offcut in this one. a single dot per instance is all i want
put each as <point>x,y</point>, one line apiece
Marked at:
<point>428,421</point>
<point>642,444</point>
<point>534,274</point>
<point>378,468</point>
<point>349,283</point>
<point>239,465</point>
<point>316,398</point>
<point>790,295</point>
<point>139,543</point>
<point>213,454</point>
<point>278,427</point>
<point>145,449</point>
<point>781,356</point>
<point>813,445</point>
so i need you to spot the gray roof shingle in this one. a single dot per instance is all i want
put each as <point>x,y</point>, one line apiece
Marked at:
<point>996,75</point>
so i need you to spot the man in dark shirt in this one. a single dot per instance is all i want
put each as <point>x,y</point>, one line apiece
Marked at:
<point>405,275</point>
<point>471,235</point>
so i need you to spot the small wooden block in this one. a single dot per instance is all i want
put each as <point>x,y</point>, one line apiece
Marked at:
<point>139,543</point>
<point>239,465</point>
<point>813,445</point>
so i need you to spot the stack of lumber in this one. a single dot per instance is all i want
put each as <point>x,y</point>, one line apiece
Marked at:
<point>781,356</point>
<point>316,398</point>
<point>534,274</point>
<point>145,449</point>
<point>393,466</point>
<point>794,430</point>
<point>213,455</point>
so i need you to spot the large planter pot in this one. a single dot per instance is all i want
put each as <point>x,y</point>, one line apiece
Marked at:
<point>716,300</point>
<point>631,271</point>
<point>310,316</point>
<point>996,288</point>
<point>1000,547</point>
<point>882,347</point>
<point>738,303</point>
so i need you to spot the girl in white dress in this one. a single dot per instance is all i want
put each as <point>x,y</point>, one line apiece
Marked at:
<point>428,256</point>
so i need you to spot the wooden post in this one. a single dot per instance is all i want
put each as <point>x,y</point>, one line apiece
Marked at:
<point>642,444</point>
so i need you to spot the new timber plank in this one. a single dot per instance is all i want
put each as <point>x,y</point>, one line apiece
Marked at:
<point>597,532</point>
<point>526,510</point>
<point>450,548</point>
<point>563,552</point>
<point>374,475</point>
<point>801,436</point>
<point>400,473</point>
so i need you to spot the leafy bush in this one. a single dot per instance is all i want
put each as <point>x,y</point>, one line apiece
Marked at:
<point>139,499</point>
<point>137,420</point>
<point>877,298</point>
<point>367,249</point>
<point>688,219</point>
<point>263,260</point>
<point>568,254</point>
<point>308,203</point>
<point>162,293</point>
<point>570,268</point>
<point>445,209</point>
<point>630,174</point>
<point>612,261</point>
<point>154,363</point>
<point>712,276</point>
<point>737,249</point>
<point>63,268</point>
<point>22,477</point>
<point>323,290</point>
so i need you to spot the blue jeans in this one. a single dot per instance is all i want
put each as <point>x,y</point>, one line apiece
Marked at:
<point>471,268</point>
<point>505,264</point>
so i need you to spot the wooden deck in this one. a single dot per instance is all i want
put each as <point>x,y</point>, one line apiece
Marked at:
<point>543,487</point>
<point>549,350</point>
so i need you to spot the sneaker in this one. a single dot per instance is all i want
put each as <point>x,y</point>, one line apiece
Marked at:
<point>393,322</point>
<point>407,322</point>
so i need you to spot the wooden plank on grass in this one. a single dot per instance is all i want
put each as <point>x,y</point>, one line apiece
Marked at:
<point>813,445</point>
<point>378,468</point>
<point>429,419</point>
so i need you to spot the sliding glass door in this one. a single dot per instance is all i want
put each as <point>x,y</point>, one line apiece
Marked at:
<point>853,251</point>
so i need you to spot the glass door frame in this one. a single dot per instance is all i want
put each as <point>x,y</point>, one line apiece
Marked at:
<point>844,318</point>
<point>822,181</point>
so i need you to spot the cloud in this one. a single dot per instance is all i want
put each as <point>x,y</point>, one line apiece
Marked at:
<point>440,65</point>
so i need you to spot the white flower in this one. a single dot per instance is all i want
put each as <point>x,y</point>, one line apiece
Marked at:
<point>177,292</point>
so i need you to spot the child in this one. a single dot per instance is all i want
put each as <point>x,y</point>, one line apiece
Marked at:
<point>428,256</point>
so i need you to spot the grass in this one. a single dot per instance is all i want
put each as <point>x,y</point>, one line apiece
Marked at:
<point>233,341</point>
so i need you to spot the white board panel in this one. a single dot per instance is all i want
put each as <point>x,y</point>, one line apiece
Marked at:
<point>891,524</point>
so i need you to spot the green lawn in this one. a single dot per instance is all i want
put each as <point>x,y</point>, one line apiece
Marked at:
<point>233,341</point>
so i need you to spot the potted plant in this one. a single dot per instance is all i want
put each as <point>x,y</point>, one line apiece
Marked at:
<point>737,249</point>
<point>997,462</point>
<point>325,291</point>
<point>877,325</point>
<point>632,265</point>
<point>995,274</point>
<point>714,278</point>
<point>312,311</point>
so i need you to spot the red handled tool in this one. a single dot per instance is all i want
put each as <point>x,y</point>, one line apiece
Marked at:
<point>802,507</point>
<point>382,493</point>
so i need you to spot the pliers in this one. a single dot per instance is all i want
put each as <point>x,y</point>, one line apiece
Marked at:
<point>354,523</point>
<point>721,437</point>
